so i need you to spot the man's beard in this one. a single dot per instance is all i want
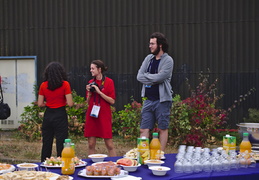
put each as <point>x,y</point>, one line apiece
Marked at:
<point>156,51</point>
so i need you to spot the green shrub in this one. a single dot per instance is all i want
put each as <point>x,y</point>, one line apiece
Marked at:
<point>126,123</point>
<point>32,118</point>
<point>253,116</point>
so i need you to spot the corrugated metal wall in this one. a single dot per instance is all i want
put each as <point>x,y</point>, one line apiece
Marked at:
<point>217,34</point>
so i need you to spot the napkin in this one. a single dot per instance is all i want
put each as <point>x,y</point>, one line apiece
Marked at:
<point>128,177</point>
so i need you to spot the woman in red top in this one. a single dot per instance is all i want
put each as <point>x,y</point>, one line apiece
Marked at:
<point>55,94</point>
<point>100,95</point>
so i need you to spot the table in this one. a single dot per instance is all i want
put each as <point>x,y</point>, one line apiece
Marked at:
<point>146,174</point>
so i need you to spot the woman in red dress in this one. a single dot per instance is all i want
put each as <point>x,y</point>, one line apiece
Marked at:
<point>100,95</point>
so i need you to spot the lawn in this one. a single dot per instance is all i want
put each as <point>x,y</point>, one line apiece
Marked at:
<point>16,150</point>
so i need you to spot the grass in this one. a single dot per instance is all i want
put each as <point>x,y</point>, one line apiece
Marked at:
<point>14,149</point>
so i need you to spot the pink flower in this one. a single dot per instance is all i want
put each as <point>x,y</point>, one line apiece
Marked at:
<point>198,121</point>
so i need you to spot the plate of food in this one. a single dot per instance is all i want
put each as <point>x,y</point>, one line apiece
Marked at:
<point>128,164</point>
<point>34,175</point>
<point>102,170</point>
<point>84,173</point>
<point>4,168</point>
<point>57,162</point>
<point>104,163</point>
<point>97,157</point>
<point>24,166</point>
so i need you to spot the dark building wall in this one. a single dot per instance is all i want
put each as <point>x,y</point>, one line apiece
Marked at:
<point>221,35</point>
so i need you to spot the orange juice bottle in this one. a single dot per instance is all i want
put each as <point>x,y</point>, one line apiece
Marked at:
<point>155,148</point>
<point>245,144</point>
<point>67,156</point>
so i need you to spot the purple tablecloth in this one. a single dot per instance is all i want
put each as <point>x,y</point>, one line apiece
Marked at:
<point>146,174</point>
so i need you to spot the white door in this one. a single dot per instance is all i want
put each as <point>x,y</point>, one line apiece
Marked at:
<point>18,80</point>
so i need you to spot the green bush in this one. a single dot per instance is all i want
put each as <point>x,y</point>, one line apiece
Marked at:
<point>32,117</point>
<point>253,116</point>
<point>126,123</point>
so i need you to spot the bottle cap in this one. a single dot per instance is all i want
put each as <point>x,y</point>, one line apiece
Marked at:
<point>155,134</point>
<point>245,134</point>
<point>67,140</point>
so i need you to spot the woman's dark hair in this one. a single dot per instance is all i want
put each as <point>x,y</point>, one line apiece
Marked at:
<point>161,40</point>
<point>55,74</point>
<point>100,64</point>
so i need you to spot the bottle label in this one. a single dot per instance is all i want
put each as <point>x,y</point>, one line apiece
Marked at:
<point>68,166</point>
<point>155,154</point>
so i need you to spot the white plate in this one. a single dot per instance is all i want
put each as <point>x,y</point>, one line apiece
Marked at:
<point>49,166</point>
<point>98,156</point>
<point>163,157</point>
<point>12,168</point>
<point>50,175</point>
<point>83,174</point>
<point>27,165</point>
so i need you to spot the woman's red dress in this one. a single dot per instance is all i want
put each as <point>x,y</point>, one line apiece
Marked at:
<point>102,126</point>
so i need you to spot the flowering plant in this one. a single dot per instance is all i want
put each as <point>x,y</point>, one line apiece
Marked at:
<point>195,119</point>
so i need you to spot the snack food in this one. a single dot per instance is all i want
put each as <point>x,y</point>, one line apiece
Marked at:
<point>63,177</point>
<point>103,169</point>
<point>27,166</point>
<point>134,152</point>
<point>127,162</point>
<point>57,162</point>
<point>25,175</point>
<point>52,161</point>
<point>256,156</point>
<point>4,166</point>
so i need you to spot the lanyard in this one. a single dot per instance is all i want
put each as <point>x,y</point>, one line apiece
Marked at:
<point>98,99</point>
<point>101,87</point>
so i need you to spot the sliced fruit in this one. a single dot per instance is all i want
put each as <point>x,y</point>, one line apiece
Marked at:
<point>126,162</point>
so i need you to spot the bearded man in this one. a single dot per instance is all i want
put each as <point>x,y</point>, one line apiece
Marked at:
<point>155,74</point>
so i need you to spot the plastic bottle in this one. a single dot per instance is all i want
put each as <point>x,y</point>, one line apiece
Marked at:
<point>67,156</point>
<point>155,148</point>
<point>245,144</point>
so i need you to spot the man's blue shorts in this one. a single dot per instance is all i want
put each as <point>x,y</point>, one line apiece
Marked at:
<point>155,111</point>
